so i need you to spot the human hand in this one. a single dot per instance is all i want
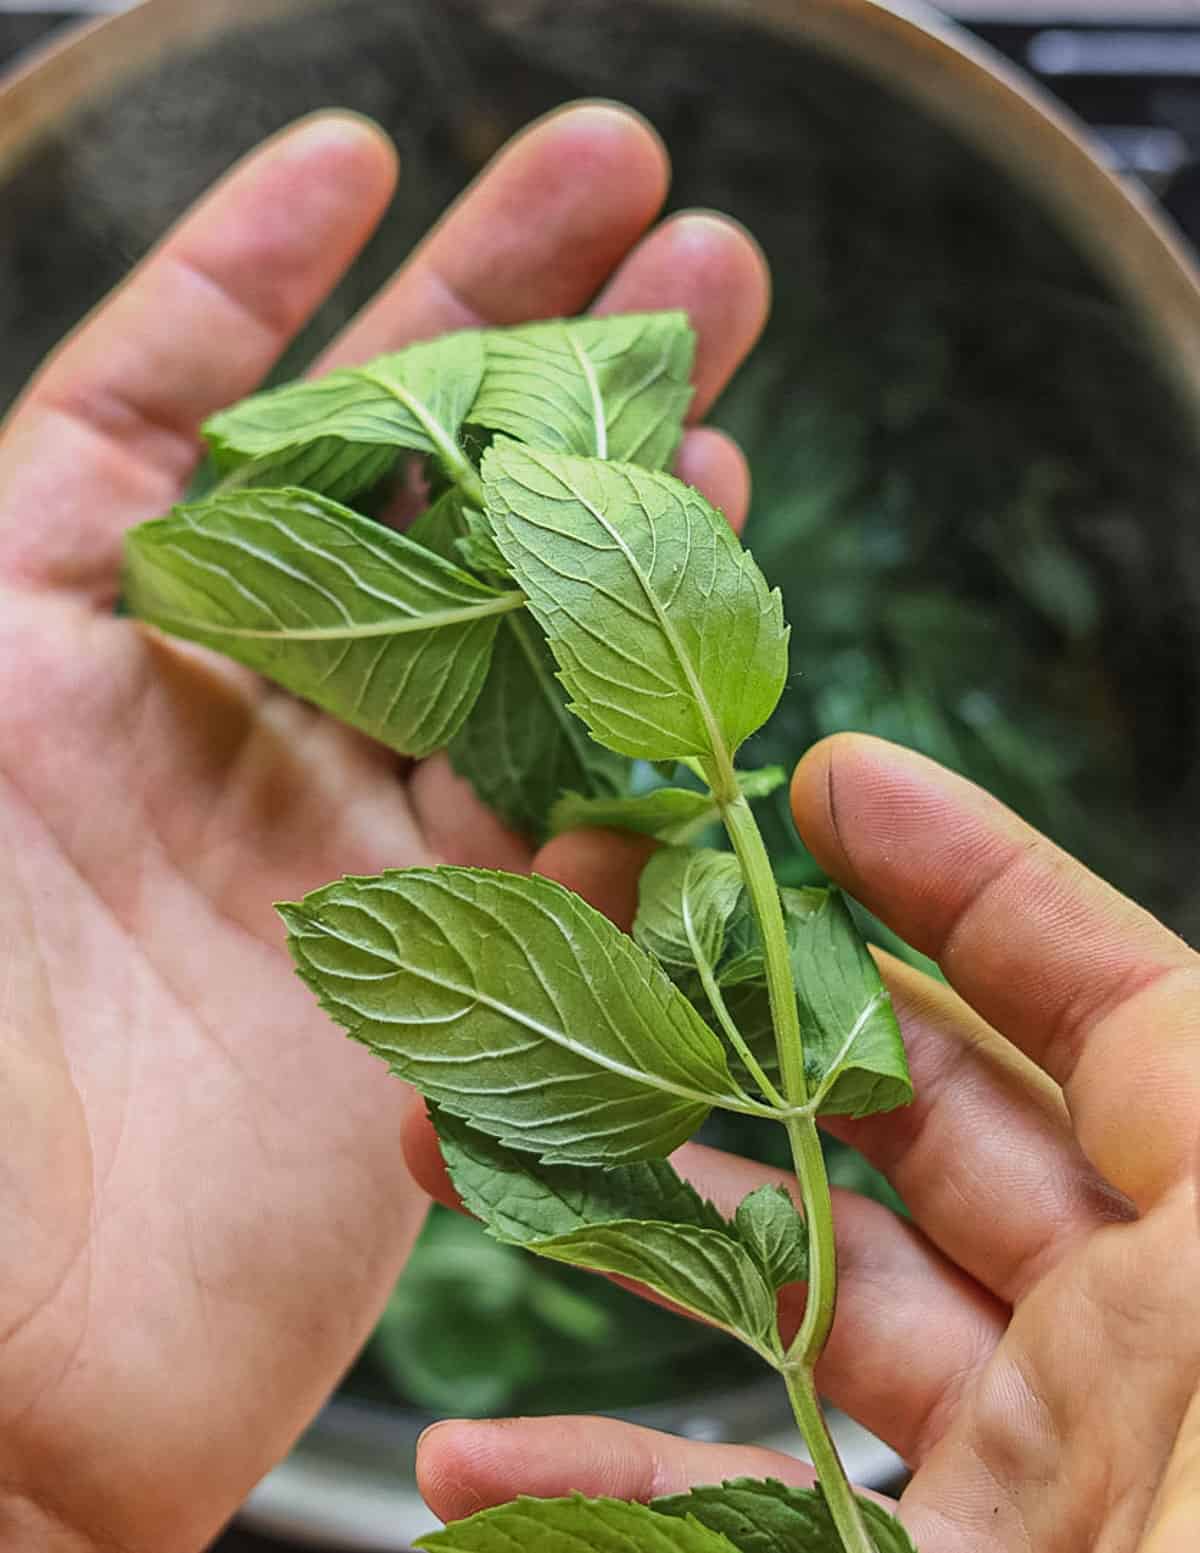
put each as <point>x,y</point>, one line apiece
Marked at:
<point>1030,1344</point>
<point>202,1200</point>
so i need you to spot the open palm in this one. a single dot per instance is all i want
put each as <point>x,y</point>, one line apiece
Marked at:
<point>203,1202</point>
<point>1030,1341</point>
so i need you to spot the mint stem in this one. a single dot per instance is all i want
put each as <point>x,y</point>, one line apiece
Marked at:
<point>733,1034</point>
<point>768,910</point>
<point>799,1367</point>
<point>839,1496</point>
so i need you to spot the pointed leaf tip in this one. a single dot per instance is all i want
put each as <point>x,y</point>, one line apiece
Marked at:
<point>509,1001</point>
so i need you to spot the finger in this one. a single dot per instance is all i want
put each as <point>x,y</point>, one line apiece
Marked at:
<point>533,237</point>
<point>897,1294</point>
<point>106,434</point>
<point>1021,1193</point>
<point>1091,987</point>
<point>1175,1525</point>
<point>456,827</point>
<point>601,865</point>
<point>466,1467</point>
<point>463,1467</point>
<point>712,462</point>
<point>713,269</point>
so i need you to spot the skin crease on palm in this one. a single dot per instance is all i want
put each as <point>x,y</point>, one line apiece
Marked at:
<point>203,1199</point>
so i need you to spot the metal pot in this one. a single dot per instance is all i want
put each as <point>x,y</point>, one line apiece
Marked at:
<point>105,136</point>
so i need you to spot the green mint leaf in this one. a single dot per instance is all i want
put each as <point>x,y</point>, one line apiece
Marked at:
<point>605,387</point>
<point>511,1002</point>
<point>522,1200</point>
<point>853,1049</point>
<point>521,746</point>
<point>685,897</point>
<point>769,1517</point>
<point>773,1231</point>
<point>705,1273</point>
<point>666,635</point>
<point>749,1007</point>
<point>441,526</point>
<point>339,433</point>
<point>673,814</point>
<point>642,1221</point>
<point>743,960</point>
<point>478,548</point>
<point>669,813</point>
<point>575,1525</point>
<point>342,611</point>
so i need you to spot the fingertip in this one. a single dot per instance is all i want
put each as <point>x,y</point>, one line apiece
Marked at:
<point>709,266</point>
<point>345,147</point>
<point>606,134</point>
<point>712,461</point>
<point>833,778</point>
<point>446,1469</point>
<point>423,1155</point>
<point>811,792</point>
<point>726,247</point>
<point>603,866</point>
<point>346,127</point>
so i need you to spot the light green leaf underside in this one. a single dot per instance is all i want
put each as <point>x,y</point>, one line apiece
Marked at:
<point>673,814</point>
<point>853,1049</point>
<point>521,746</point>
<point>612,387</point>
<point>574,1525</point>
<point>337,434</point>
<point>342,611</point>
<point>440,527</point>
<point>770,1517</point>
<point>749,1006</point>
<point>773,1231</point>
<point>743,959</point>
<point>668,813</point>
<point>522,1200</point>
<point>707,1274</point>
<point>666,635</point>
<point>512,1003</point>
<point>477,549</point>
<point>642,1221</point>
<point>685,897</point>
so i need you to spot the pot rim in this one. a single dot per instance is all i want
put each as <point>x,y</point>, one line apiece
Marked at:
<point>959,81</point>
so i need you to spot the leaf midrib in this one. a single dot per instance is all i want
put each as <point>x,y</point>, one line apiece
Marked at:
<point>721,753</point>
<point>873,1002</point>
<point>419,411</point>
<point>587,367</point>
<point>551,1244</point>
<point>570,724</point>
<point>401,626</point>
<point>560,1038</point>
